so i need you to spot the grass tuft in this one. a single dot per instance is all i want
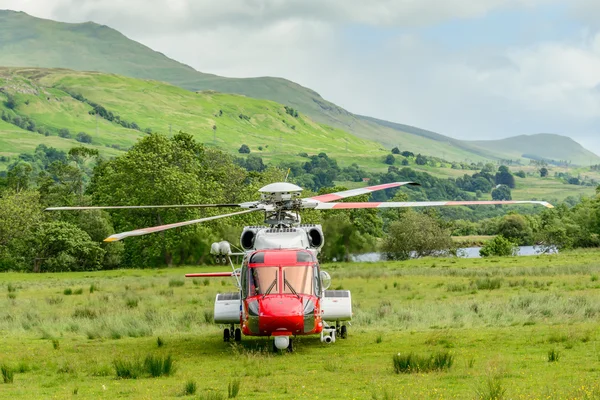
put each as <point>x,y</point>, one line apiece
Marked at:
<point>8,373</point>
<point>55,344</point>
<point>190,388</point>
<point>212,396</point>
<point>131,302</point>
<point>68,291</point>
<point>160,342</point>
<point>78,291</point>
<point>11,288</point>
<point>233,388</point>
<point>414,363</point>
<point>54,300</point>
<point>85,313</point>
<point>176,282</point>
<point>11,295</point>
<point>553,355</point>
<point>93,288</point>
<point>491,389</point>
<point>487,283</point>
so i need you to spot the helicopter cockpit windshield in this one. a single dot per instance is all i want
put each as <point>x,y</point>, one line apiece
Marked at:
<point>294,280</point>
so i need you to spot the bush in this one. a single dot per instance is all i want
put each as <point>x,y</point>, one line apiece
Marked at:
<point>389,159</point>
<point>244,149</point>
<point>83,137</point>
<point>500,247</point>
<point>64,133</point>
<point>553,355</point>
<point>395,150</point>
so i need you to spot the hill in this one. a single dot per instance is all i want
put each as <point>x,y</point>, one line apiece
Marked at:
<point>30,41</point>
<point>41,105</point>
<point>540,146</point>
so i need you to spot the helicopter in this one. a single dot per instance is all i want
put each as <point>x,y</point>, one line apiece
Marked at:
<point>281,290</point>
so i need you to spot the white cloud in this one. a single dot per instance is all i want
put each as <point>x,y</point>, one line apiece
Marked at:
<point>199,15</point>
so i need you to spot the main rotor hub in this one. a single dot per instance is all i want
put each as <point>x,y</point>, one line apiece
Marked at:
<point>280,192</point>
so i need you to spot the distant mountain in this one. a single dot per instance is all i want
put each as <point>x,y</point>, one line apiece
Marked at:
<point>35,42</point>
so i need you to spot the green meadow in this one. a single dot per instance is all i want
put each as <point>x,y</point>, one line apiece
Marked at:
<point>521,328</point>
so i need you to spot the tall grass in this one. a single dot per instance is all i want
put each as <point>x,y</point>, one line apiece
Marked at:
<point>414,363</point>
<point>491,389</point>
<point>233,388</point>
<point>8,373</point>
<point>152,366</point>
<point>190,388</point>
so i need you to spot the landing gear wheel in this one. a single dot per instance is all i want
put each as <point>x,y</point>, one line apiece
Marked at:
<point>343,332</point>
<point>226,335</point>
<point>238,335</point>
<point>290,347</point>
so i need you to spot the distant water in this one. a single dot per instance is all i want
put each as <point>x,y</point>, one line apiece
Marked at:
<point>466,252</point>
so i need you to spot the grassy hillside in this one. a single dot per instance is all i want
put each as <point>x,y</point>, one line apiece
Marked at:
<point>224,120</point>
<point>30,41</point>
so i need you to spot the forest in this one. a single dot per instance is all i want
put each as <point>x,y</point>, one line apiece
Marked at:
<point>178,170</point>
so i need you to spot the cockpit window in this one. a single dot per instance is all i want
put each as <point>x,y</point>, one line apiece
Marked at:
<point>298,280</point>
<point>263,280</point>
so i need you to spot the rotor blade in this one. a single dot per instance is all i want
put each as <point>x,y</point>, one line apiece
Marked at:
<point>209,275</point>
<point>145,231</point>
<point>138,207</point>
<point>355,192</point>
<point>395,204</point>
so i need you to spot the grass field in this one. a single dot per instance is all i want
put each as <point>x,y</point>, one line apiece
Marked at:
<point>501,321</point>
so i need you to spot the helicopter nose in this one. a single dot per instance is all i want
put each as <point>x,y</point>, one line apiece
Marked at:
<point>281,313</point>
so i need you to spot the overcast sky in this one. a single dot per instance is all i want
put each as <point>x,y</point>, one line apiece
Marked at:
<point>471,69</point>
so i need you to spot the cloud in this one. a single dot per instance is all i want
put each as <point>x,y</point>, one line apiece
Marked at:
<point>201,15</point>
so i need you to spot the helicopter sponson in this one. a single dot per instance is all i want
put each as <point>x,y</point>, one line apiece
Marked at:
<point>291,237</point>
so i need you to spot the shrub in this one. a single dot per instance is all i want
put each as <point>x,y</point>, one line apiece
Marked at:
<point>83,137</point>
<point>499,246</point>
<point>68,291</point>
<point>244,149</point>
<point>64,133</point>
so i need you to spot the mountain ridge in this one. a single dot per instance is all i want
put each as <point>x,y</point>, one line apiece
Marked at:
<point>30,41</point>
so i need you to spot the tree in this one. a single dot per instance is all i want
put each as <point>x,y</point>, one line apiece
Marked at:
<point>504,177</point>
<point>19,176</point>
<point>501,192</point>
<point>516,228</point>
<point>404,161</point>
<point>61,246</point>
<point>10,102</point>
<point>543,172</point>
<point>244,149</point>
<point>418,233</point>
<point>83,137</point>
<point>520,174</point>
<point>20,215</point>
<point>64,133</point>
<point>390,159</point>
<point>395,150</point>
<point>421,160</point>
<point>407,154</point>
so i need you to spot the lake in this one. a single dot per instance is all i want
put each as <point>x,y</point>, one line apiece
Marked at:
<point>466,252</point>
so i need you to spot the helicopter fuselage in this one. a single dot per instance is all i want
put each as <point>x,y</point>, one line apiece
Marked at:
<point>280,293</point>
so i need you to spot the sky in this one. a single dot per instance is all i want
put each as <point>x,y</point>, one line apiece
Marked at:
<point>470,69</point>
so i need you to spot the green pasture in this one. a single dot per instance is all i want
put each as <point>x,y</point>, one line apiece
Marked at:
<point>500,319</point>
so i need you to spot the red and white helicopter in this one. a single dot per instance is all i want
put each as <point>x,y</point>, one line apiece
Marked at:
<point>281,290</point>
